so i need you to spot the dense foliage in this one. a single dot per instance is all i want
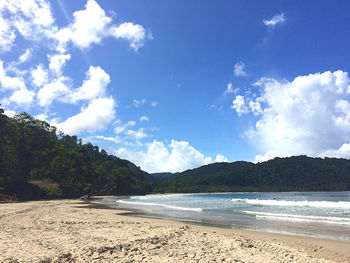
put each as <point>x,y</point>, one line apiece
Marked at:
<point>297,173</point>
<point>36,161</point>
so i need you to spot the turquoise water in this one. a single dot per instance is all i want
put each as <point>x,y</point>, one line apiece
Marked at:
<point>317,214</point>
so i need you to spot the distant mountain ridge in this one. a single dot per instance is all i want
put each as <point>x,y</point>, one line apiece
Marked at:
<point>296,173</point>
<point>36,162</point>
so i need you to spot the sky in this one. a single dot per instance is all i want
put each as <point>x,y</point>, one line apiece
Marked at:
<point>173,85</point>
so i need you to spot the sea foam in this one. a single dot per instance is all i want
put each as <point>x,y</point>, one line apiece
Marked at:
<point>318,204</point>
<point>300,218</point>
<point>162,205</point>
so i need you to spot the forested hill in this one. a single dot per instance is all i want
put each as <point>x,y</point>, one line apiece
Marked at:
<point>38,162</point>
<point>297,173</point>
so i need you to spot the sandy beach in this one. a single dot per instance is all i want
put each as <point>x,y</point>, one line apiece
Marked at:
<point>76,231</point>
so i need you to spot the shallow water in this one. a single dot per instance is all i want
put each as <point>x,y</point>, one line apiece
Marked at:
<point>316,214</point>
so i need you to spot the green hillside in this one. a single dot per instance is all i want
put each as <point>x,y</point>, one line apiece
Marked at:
<point>36,162</point>
<point>297,173</point>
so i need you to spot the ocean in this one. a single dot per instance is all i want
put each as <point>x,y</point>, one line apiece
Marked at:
<point>315,214</point>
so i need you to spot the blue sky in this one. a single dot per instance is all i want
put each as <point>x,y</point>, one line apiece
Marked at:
<point>172,85</point>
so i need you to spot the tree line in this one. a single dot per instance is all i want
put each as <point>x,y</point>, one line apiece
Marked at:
<point>296,173</point>
<point>37,161</point>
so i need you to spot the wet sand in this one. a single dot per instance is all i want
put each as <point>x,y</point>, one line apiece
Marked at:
<point>76,231</point>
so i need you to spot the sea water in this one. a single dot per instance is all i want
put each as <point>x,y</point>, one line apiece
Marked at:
<point>317,214</point>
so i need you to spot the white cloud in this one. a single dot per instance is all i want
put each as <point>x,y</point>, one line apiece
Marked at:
<point>38,11</point>
<point>57,62</point>
<point>22,96</point>
<point>230,89</point>
<point>42,117</point>
<point>55,90</point>
<point>276,19</point>
<point>39,75</point>
<point>31,18</point>
<point>9,113</point>
<point>238,69</point>
<point>44,83</point>
<point>11,83</point>
<point>7,35</point>
<point>310,115</point>
<point>94,85</point>
<point>158,157</point>
<point>135,34</point>
<point>89,26</point>
<point>25,56</point>
<point>111,139</point>
<point>122,128</point>
<point>341,152</point>
<point>136,135</point>
<point>255,106</point>
<point>144,118</point>
<point>96,116</point>
<point>221,159</point>
<point>239,105</point>
<point>138,103</point>
<point>154,104</point>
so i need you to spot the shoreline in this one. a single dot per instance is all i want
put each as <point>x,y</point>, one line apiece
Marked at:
<point>326,245</point>
<point>82,231</point>
<point>244,221</point>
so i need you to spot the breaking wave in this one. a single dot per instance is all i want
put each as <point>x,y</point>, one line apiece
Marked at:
<point>166,206</point>
<point>300,218</point>
<point>318,204</point>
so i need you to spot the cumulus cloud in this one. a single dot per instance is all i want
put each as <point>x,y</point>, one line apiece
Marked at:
<point>42,116</point>
<point>7,35</point>
<point>276,19</point>
<point>57,62</point>
<point>135,34</point>
<point>309,115</point>
<point>91,25</point>
<point>121,128</point>
<point>32,19</point>
<point>10,113</point>
<point>22,96</point>
<point>239,105</point>
<point>255,106</point>
<point>96,116</point>
<point>55,90</point>
<point>94,85</point>
<point>239,69</point>
<point>136,134</point>
<point>158,157</point>
<point>45,82</point>
<point>10,83</point>
<point>221,159</point>
<point>230,89</point>
<point>39,75</point>
<point>25,56</point>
